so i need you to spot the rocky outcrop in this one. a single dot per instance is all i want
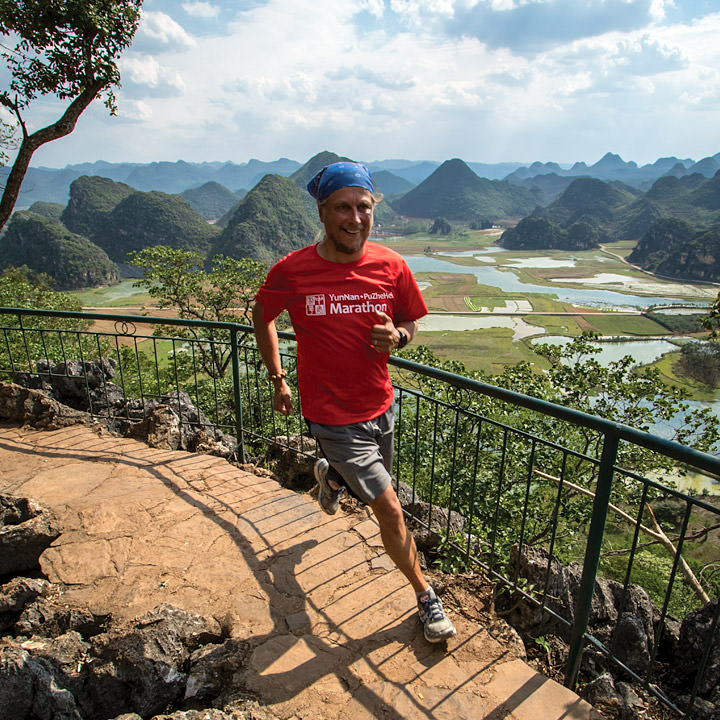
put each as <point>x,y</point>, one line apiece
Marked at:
<point>631,616</point>
<point>292,459</point>
<point>26,529</point>
<point>74,391</point>
<point>614,699</point>
<point>430,524</point>
<point>15,595</point>
<point>626,620</point>
<point>169,658</point>
<point>34,408</point>
<point>692,640</point>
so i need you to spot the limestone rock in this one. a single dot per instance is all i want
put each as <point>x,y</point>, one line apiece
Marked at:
<point>160,428</point>
<point>15,595</point>
<point>245,710</point>
<point>142,670</point>
<point>214,670</point>
<point>34,679</point>
<point>293,469</point>
<point>34,408</point>
<point>694,634</point>
<point>46,617</point>
<point>71,392</point>
<point>429,524</point>
<point>26,530</point>
<point>630,615</point>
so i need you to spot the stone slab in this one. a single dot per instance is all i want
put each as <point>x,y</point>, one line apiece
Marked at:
<point>331,624</point>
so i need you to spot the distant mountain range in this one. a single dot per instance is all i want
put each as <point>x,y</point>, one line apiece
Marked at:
<point>675,219</point>
<point>53,185</point>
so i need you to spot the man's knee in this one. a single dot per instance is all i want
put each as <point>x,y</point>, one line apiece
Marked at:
<point>387,509</point>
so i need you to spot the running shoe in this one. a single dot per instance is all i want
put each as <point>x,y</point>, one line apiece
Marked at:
<point>436,624</point>
<point>328,498</point>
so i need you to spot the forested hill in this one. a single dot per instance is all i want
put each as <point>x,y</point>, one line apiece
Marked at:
<point>92,199</point>
<point>578,220</point>
<point>212,200</point>
<point>144,219</point>
<point>273,219</point>
<point>454,191</point>
<point>120,219</point>
<point>45,245</point>
<point>675,223</point>
<point>674,248</point>
<point>103,221</point>
<point>277,214</point>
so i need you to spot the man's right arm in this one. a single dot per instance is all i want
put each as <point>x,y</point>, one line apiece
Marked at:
<point>267,341</point>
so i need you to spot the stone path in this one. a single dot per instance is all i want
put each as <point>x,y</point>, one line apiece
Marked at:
<point>331,623</point>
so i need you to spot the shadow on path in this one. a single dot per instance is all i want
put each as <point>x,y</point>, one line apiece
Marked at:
<point>336,626</point>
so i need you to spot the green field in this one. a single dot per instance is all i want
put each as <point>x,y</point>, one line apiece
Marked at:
<point>488,350</point>
<point>624,325</point>
<point>121,295</point>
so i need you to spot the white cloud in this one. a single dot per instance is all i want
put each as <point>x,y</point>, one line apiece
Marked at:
<point>200,9</point>
<point>144,76</point>
<point>159,31</point>
<point>297,89</point>
<point>647,56</point>
<point>291,79</point>
<point>135,111</point>
<point>384,80</point>
<point>374,7</point>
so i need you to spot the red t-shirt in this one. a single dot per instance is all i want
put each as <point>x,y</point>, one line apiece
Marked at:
<point>342,379</point>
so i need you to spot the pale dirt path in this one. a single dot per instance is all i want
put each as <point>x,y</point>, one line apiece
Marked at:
<point>331,625</point>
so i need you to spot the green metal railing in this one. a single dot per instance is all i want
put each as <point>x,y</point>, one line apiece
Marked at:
<point>500,477</point>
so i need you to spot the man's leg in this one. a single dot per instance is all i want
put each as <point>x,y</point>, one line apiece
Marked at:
<point>362,454</point>
<point>399,543</point>
<point>400,546</point>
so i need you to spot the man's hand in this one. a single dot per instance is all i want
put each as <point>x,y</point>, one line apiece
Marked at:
<point>384,336</point>
<point>282,401</point>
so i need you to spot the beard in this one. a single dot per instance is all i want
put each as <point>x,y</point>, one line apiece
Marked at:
<point>345,248</point>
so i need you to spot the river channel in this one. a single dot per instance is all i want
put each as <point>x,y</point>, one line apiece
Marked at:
<point>505,279</point>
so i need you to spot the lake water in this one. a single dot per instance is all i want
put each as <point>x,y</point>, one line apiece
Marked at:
<point>644,351</point>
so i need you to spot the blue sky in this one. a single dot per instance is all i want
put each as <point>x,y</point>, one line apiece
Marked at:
<point>484,80</point>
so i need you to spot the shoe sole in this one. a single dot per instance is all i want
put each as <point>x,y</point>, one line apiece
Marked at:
<point>439,638</point>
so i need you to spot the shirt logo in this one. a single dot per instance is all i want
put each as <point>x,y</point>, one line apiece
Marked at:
<point>315,305</point>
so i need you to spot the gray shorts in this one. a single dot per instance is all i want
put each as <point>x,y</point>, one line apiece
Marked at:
<point>360,455</point>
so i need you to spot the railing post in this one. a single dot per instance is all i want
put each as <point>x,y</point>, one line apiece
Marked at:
<point>238,395</point>
<point>591,562</point>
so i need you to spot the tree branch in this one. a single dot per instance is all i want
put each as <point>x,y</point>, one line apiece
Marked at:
<point>30,143</point>
<point>689,574</point>
<point>656,533</point>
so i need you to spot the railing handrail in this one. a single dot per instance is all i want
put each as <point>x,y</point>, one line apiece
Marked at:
<point>677,451</point>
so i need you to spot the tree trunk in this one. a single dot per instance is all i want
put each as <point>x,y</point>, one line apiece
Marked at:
<point>30,143</point>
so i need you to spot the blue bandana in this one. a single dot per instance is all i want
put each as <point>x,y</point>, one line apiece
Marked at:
<point>340,175</point>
